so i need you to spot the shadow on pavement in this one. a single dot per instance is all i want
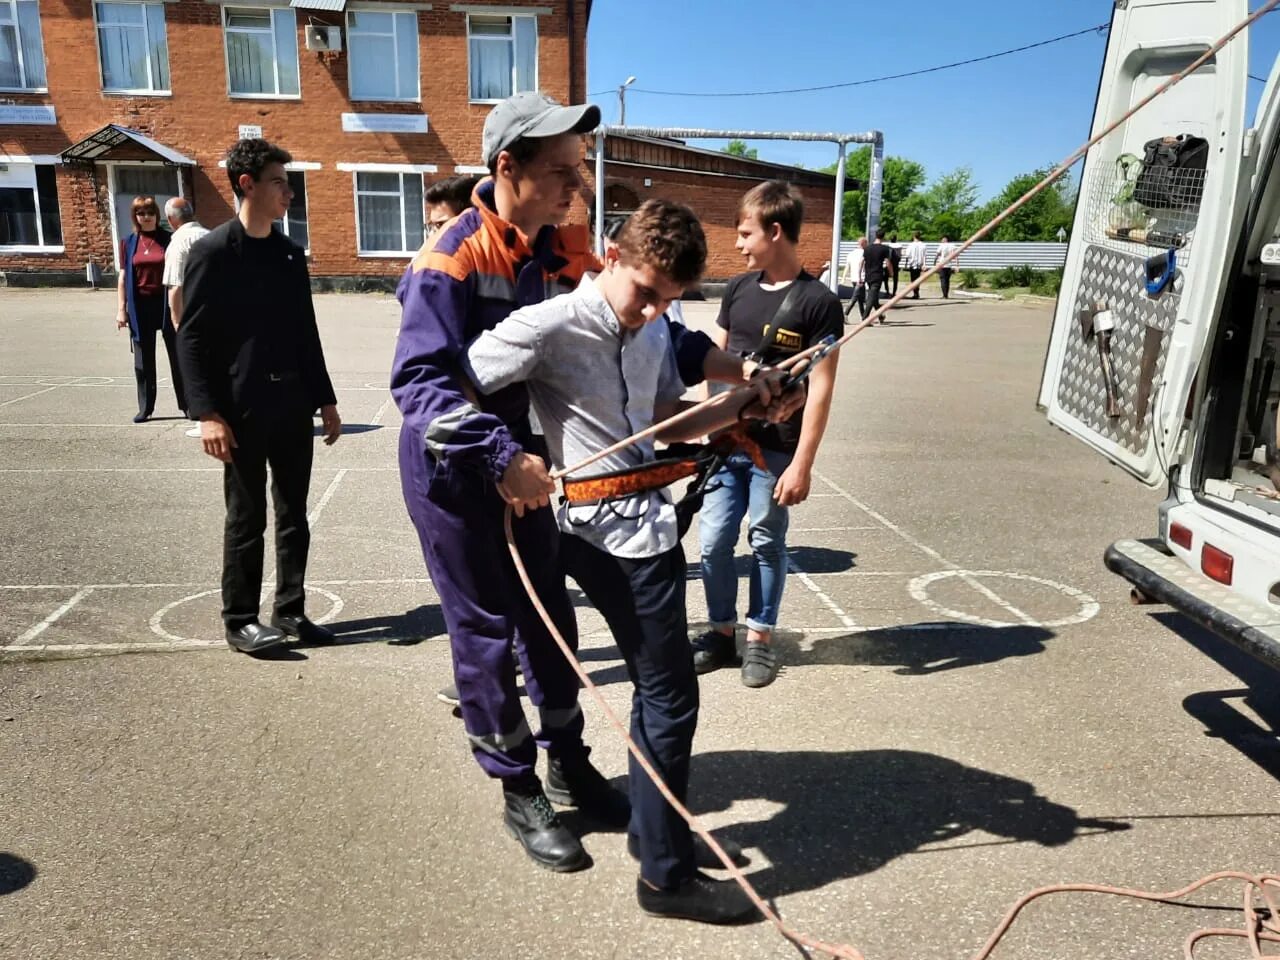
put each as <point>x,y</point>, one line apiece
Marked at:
<point>916,649</point>
<point>351,428</point>
<point>15,873</point>
<point>1220,710</point>
<point>399,630</point>
<point>808,559</point>
<point>847,814</point>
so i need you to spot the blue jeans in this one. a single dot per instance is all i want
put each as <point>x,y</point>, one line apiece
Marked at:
<point>741,489</point>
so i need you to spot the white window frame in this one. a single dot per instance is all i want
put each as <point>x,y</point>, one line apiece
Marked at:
<point>306,205</point>
<point>404,169</point>
<point>22,67</point>
<point>273,10</point>
<point>146,26</point>
<point>397,15</point>
<point>500,13</point>
<point>40,246</point>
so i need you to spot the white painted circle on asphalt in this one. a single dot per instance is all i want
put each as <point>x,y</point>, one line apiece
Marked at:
<point>157,618</point>
<point>919,589</point>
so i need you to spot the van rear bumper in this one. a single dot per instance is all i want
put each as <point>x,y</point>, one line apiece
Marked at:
<point>1162,577</point>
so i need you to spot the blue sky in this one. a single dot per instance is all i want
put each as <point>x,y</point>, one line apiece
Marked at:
<point>1001,118</point>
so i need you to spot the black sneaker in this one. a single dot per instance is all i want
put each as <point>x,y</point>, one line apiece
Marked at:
<point>530,818</point>
<point>703,857</point>
<point>576,783</point>
<point>714,650</point>
<point>699,898</point>
<point>759,664</point>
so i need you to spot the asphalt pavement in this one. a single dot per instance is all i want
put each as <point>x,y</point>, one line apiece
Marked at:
<point>970,707</point>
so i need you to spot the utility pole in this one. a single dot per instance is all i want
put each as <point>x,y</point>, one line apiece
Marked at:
<point>622,101</point>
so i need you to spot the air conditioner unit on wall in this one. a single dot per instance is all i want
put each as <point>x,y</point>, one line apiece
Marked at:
<point>324,38</point>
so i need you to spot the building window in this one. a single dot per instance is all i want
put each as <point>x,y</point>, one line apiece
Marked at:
<point>294,223</point>
<point>383,51</point>
<point>262,51</point>
<point>133,47</point>
<point>29,214</point>
<point>504,56</point>
<point>389,212</point>
<point>21,52</point>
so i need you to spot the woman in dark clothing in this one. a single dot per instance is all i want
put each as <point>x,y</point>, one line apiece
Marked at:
<point>142,303</point>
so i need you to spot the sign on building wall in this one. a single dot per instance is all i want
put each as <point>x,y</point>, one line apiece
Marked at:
<point>39,115</point>
<point>384,123</point>
<point>249,131</point>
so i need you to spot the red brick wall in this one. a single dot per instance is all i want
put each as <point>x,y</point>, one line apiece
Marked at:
<point>201,121</point>
<point>715,200</point>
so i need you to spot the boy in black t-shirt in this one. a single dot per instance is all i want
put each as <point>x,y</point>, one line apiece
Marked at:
<point>877,261</point>
<point>769,221</point>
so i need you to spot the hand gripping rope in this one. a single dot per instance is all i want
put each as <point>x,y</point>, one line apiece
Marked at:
<point>1259,924</point>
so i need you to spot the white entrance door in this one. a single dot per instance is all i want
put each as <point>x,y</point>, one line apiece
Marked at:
<point>130,180</point>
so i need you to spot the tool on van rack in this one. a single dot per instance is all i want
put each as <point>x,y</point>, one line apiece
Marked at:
<point>1161,269</point>
<point>1261,923</point>
<point>1152,337</point>
<point>1096,323</point>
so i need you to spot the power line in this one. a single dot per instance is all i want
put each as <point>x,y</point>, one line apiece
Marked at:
<point>1259,79</point>
<point>857,83</point>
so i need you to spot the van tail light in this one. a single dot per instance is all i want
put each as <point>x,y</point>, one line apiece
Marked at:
<point>1180,535</point>
<point>1216,564</point>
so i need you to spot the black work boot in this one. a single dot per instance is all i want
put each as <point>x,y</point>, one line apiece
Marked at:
<point>714,650</point>
<point>699,898</point>
<point>531,819</point>
<point>576,783</point>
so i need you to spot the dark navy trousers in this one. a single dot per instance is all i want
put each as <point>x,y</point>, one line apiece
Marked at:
<point>458,515</point>
<point>643,603</point>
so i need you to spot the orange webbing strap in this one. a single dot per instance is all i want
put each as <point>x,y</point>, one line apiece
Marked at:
<point>623,483</point>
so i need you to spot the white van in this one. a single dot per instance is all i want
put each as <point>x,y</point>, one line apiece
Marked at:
<point>1172,290</point>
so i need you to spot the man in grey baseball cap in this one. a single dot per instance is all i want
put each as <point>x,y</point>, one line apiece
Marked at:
<point>533,115</point>
<point>464,457</point>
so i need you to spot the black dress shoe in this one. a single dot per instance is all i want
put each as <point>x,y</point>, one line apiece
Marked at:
<point>714,650</point>
<point>703,857</point>
<point>576,783</point>
<point>699,898</point>
<point>312,634</point>
<point>530,818</point>
<point>253,637</point>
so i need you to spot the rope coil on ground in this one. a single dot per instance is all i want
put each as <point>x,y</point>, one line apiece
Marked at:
<point>1257,928</point>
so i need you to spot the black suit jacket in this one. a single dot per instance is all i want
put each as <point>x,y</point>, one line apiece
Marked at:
<point>223,340</point>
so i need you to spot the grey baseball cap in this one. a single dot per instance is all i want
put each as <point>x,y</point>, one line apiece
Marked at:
<point>532,115</point>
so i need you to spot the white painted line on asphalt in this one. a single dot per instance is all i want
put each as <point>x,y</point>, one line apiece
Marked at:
<point>28,396</point>
<point>377,417</point>
<point>112,647</point>
<point>918,589</point>
<point>865,573</point>
<point>326,496</point>
<point>827,529</point>
<point>924,548</point>
<point>818,592</point>
<point>387,581</point>
<point>39,628</point>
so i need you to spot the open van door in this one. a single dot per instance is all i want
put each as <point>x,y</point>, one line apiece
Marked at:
<point>1145,267</point>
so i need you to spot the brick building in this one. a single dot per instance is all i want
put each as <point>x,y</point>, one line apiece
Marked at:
<point>102,101</point>
<point>712,183</point>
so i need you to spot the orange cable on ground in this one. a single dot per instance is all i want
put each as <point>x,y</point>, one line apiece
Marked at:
<point>1256,929</point>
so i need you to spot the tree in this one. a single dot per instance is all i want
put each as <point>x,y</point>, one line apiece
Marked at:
<point>901,178</point>
<point>739,148</point>
<point>946,208</point>
<point>1039,218</point>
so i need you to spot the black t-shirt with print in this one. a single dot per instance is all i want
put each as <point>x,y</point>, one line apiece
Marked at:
<point>873,259</point>
<point>744,312</point>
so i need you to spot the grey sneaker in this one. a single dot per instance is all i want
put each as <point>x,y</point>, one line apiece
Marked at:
<point>759,664</point>
<point>448,695</point>
<point>713,650</point>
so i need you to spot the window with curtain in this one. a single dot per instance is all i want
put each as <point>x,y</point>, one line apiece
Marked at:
<point>29,215</point>
<point>504,56</point>
<point>21,50</point>
<point>389,212</point>
<point>133,47</point>
<point>294,223</point>
<point>383,53</point>
<point>262,51</point>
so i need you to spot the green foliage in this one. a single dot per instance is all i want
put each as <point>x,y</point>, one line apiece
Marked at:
<point>972,279</point>
<point>1022,275</point>
<point>902,178</point>
<point>739,148</point>
<point>1040,218</point>
<point>1047,283</point>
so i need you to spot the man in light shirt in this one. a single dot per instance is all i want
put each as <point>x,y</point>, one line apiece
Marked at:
<point>186,231</point>
<point>914,256</point>
<point>855,276</point>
